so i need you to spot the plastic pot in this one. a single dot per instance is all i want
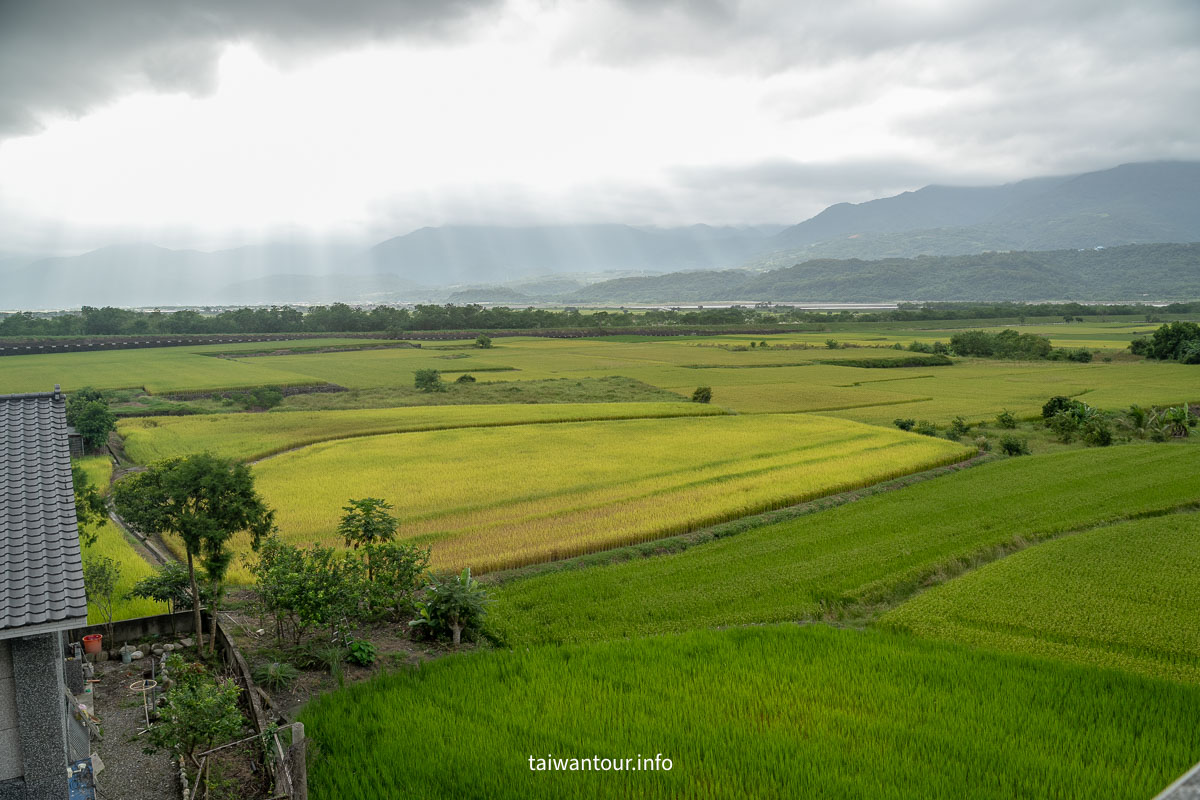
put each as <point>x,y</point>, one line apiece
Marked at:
<point>92,642</point>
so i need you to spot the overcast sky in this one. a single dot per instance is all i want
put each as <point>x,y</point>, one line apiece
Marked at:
<point>221,122</point>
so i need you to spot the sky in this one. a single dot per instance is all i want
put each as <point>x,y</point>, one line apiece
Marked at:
<point>216,123</point>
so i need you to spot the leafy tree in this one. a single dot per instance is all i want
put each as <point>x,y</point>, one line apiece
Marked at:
<point>100,576</point>
<point>703,394</point>
<point>1178,340</point>
<point>94,421</point>
<point>832,344</point>
<point>168,584</point>
<point>306,589</point>
<point>483,341</point>
<point>397,567</point>
<point>279,580</point>
<point>1006,420</point>
<point>465,378</point>
<point>197,716</point>
<point>365,522</point>
<point>1055,405</point>
<point>90,509</point>
<point>428,380</point>
<point>204,500</point>
<point>959,427</point>
<point>453,604</point>
<point>904,424</point>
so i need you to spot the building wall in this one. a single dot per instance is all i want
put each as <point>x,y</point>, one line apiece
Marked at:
<point>37,667</point>
<point>10,739</point>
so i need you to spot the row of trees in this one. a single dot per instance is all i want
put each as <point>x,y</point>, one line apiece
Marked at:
<point>340,317</point>
<point>1010,343</point>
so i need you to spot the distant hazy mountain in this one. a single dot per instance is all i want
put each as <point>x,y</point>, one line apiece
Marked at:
<point>478,254</point>
<point>1129,204</point>
<point>1132,272</point>
<point>144,274</point>
<point>326,289</point>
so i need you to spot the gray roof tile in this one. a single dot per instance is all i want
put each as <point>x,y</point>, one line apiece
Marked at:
<point>41,574</point>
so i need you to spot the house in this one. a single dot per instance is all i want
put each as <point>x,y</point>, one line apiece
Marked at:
<point>41,595</point>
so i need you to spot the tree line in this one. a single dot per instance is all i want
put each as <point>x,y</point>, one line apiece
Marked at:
<point>343,318</point>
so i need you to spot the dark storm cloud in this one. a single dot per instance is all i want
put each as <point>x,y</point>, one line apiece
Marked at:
<point>67,56</point>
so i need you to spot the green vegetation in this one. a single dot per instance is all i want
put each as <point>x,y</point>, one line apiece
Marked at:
<point>1178,341</point>
<point>452,605</point>
<point>850,559</point>
<point>1125,595</point>
<point>109,541</point>
<point>764,712</point>
<point>249,437</point>
<point>203,500</point>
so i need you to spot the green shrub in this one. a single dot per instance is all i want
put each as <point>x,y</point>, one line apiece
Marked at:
<point>276,675</point>
<point>703,394</point>
<point>959,427</point>
<point>925,428</point>
<point>1012,446</point>
<point>428,380</point>
<point>1006,420</point>
<point>362,653</point>
<point>904,424</point>
<point>453,604</point>
<point>465,378</point>
<point>1055,405</point>
<point>983,443</point>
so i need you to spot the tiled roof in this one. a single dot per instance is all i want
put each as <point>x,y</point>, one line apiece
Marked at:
<point>41,574</point>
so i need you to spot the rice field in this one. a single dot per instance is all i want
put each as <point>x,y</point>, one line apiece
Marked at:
<point>111,542</point>
<point>867,554</point>
<point>1125,596</point>
<point>763,379</point>
<point>782,711</point>
<point>491,498</point>
<point>248,437</point>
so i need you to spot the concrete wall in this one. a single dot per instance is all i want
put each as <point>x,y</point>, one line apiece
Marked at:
<point>140,628</point>
<point>11,765</point>
<point>41,710</point>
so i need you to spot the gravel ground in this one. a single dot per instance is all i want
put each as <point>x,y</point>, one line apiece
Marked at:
<point>129,774</point>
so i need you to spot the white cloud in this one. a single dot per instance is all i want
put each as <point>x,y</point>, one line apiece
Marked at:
<point>648,113</point>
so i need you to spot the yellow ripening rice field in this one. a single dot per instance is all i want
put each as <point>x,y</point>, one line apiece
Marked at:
<point>248,437</point>
<point>495,498</point>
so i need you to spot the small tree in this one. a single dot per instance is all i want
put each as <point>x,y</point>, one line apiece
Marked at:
<point>703,394</point>
<point>168,584</point>
<point>398,568</point>
<point>90,510</point>
<point>1006,420</point>
<point>100,576</point>
<point>428,380</point>
<point>453,604</point>
<point>204,500</point>
<point>904,424</point>
<point>94,422</point>
<point>366,522</point>
<point>197,716</point>
<point>483,341</point>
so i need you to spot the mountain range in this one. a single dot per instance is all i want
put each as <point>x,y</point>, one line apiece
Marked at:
<point>1131,204</point>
